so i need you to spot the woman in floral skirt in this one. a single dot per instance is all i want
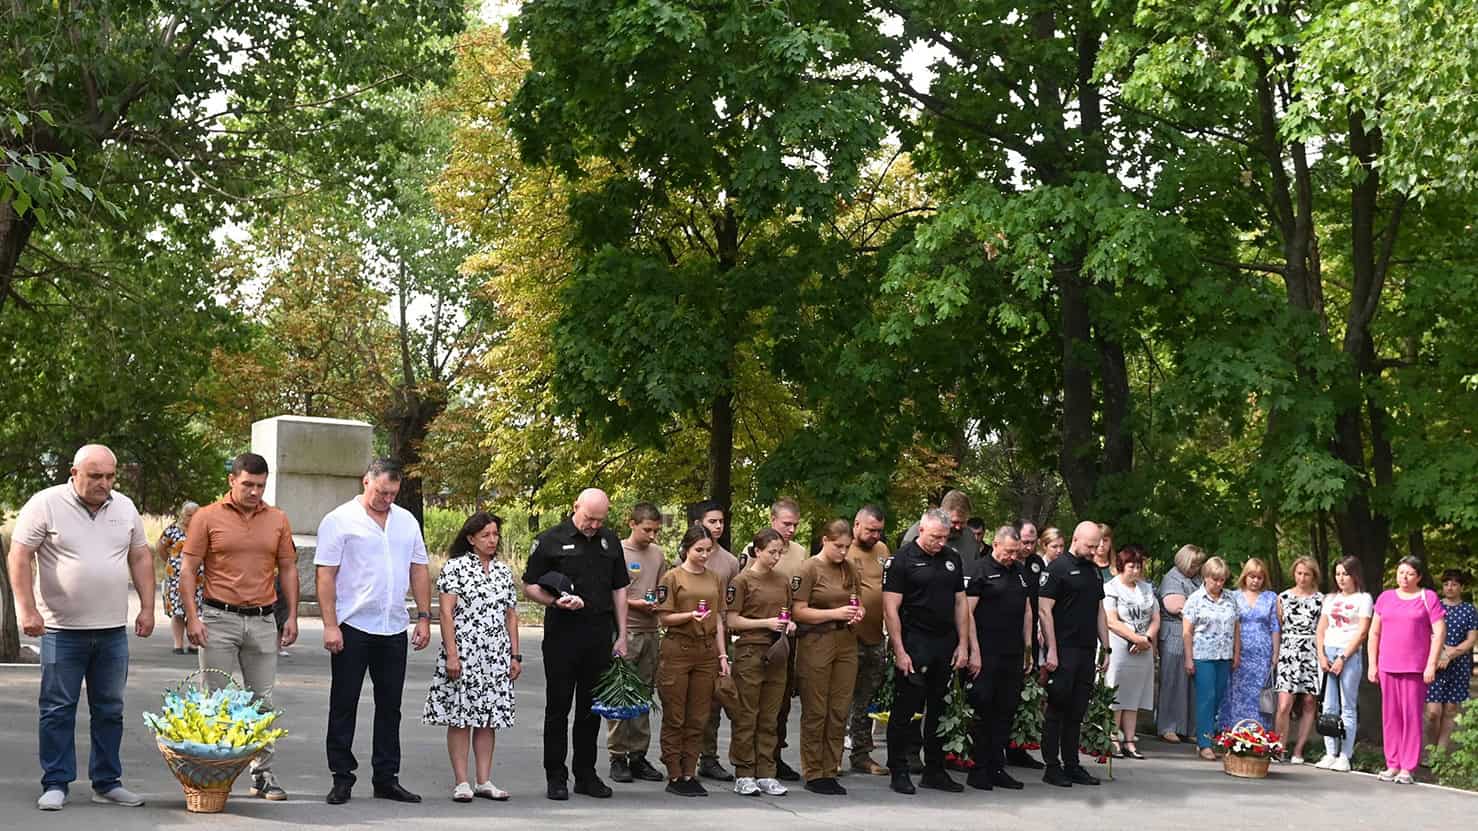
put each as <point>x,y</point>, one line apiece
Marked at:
<point>472,691</point>
<point>1297,676</point>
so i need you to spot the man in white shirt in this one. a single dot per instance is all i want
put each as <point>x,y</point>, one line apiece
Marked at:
<point>370,550</point>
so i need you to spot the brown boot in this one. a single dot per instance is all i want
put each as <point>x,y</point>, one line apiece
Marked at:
<point>865,764</point>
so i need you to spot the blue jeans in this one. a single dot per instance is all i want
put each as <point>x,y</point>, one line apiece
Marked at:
<point>1212,679</point>
<point>1342,695</point>
<point>69,657</point>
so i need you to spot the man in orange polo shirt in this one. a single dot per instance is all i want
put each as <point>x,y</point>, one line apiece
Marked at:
<point>242,542</point>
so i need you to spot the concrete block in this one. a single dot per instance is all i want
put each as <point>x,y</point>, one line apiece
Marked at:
<point>316,446</point>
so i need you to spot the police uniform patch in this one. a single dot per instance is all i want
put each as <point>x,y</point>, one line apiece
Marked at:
<point>605,543</point>
<point>795,583</point>
<point>967,581</point>
<point>1036,568</point>
<point>886,563</point>
<point>729,595</point>
<point>743,561</point>
<point>661,594</point>
<point>949,564</point>
<point>1043,581</point>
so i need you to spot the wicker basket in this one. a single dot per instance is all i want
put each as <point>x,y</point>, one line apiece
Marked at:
<point>207,782</point>
<point>1245,767</point>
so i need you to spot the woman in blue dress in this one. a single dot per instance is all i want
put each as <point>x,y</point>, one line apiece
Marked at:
<point>1259,629</point>
<point>1454,663</point>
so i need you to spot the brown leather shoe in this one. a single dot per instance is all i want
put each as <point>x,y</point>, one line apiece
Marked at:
<point>865,764</point>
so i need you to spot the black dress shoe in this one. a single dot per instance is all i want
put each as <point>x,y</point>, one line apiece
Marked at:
<point>980,780</point>
<point>915,764</point>
<point>784,772</point>
<point>1079,776</point>
<point>901,783</point>
<point>711,768</point>
<point>938,780</point>
<point>826,786</point>
<point>394,791</point>
<point>643,770</point>
<point>558,791</point>
<point>1003,779</point>
<point>339,793</point>
<point>621,770</point>
<point>1018,757</point>
<point>593,787</point>
<point>1054,775</point>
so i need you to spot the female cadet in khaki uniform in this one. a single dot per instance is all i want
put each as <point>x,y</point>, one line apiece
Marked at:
<point>826,607</point>
<point>690,603</point>
<point>758,605</point>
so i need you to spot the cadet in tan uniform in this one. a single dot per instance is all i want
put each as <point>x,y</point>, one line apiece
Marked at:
<point>690,603</point>
<point>629,739</point>
<point>724,566</point>
<point>826,606</point>
<point>785,515</point>
<point>867,555</point>
<point>758,605</point>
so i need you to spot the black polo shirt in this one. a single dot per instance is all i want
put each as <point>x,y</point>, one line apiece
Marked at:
<point>1076,592</point>
<point>1003,593</point>
<point>928,585</point>
<point>596,565</point>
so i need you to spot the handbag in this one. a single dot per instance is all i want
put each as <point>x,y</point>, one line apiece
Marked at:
<point>1267,700</point>
<point>1328,725</point>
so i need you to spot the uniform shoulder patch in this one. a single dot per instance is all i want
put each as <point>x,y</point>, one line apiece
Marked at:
<point>949,564</point>
<point>967,581</point>
<point>1043,581</point>
<point>729,595</point>
<point>633,566</point>
<point>795,583</point>
<point>886,563</point>
<point>743,560</point>
<point>1036,568</point>
<point>661,594</point>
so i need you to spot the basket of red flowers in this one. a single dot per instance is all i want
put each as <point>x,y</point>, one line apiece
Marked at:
<point>1249,747</point>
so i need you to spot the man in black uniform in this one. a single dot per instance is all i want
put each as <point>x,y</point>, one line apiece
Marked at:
<point>1032,566</point>
<point>1072,598</point>
<point>582,629</point>
<point>928,629</point>
<point>997,593</point>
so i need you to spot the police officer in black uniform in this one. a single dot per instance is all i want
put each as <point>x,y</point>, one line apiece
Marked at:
<point>1072,598</point>
<point>928,629</point>
<point>997,594</point>
<point>582,629</point>
<point>1032,566</point>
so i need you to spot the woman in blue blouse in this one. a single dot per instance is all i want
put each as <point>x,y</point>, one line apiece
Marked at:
<point>1212,648</point>
<point>1454,663</point>
<point>1259,632</point>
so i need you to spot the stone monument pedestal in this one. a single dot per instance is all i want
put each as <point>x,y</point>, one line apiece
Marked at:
<point>314,466</point>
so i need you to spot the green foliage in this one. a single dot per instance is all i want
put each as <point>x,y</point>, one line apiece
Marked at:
<point>1026,726</point>
<point>956,720</point>
<point>1457,767</point>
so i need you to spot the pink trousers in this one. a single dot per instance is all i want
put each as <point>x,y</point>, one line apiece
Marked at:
<point>1402,696</point>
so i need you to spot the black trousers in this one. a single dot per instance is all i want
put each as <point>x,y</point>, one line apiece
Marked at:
<point>383,656</point>
<point>995,694</point>
<point>1068,690</point>
<point>576,651</point>
<point>924,690</point>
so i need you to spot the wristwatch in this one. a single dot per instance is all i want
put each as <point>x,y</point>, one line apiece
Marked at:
<point>517,657</point>
<point>423,615</point>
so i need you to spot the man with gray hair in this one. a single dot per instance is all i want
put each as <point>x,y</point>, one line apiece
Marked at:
<point>955,506</point>
<point>928,629</point>
<point>997,592</point>
<point>1072,600</point>
<point>86,541</point>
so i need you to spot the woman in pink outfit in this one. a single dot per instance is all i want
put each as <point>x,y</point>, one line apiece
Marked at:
<point>1406,635</point>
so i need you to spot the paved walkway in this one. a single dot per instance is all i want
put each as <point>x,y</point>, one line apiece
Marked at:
<point>1170,790</point>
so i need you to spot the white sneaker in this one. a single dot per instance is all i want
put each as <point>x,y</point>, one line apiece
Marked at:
<point>462,792</point>
<point>746,786</point>
<point>52,800</point>
<point>1387,775</point>
<point>1327,762</point>
<point>118,796</point>
<point>1341,765</point>
<point>487,790</point>
<point>771,787</point>
<point>1296,760</point>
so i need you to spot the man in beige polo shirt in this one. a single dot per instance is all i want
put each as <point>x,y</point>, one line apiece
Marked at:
<point>629,740</point>
<point>243,542</point>
<point>86,541</point>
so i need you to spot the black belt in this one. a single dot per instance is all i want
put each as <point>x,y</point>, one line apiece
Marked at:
<point>804,629</point>
<point>248,611</point>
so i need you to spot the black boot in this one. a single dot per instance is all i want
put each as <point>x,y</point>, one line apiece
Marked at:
<point>642,769</point>
<point>621,769</point>
<point>901,783</point>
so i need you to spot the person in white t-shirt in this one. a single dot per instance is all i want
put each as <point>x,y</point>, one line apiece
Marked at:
<point>1343,625</point>
<point>370,551</point>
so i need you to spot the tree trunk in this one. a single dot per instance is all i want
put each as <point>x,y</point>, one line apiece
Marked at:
<point>408,425</point>
<point>721,457</point>
<point>15,232</point>
<point>1079,448</point>
<point>10,629</point>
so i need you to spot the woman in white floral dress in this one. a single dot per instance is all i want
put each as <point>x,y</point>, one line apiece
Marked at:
<point>472,691</point>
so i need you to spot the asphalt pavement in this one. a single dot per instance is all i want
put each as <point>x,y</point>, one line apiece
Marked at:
<point>1169,790</point>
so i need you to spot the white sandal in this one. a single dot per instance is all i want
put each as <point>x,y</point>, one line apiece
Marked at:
<point>487,790</point>
<point>462,792</point>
